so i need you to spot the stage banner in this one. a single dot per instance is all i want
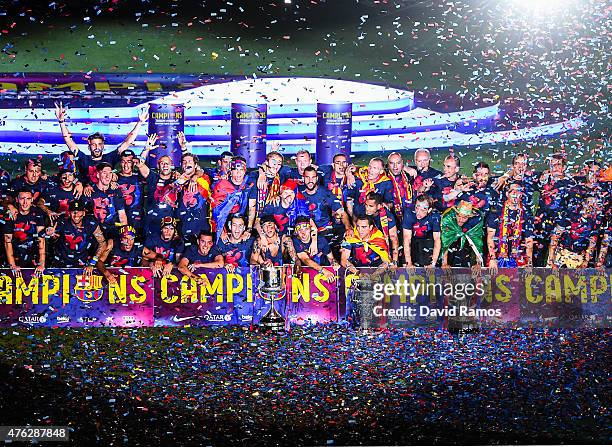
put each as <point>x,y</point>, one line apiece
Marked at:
<point>222,298</point>
<point>67,298</point>
<point>249,125</point>
<point>334,128</point>
<point>166,120</point>
<point>460,299</point>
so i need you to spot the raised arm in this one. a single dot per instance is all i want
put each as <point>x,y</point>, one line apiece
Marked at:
<point>60,113</point>
<point>131,137</point>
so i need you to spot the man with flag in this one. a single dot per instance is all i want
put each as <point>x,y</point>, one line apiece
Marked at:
<point>260,196</point>
<point>384,220</point>
<point>194,199</point>
<point>366,247</point>
<point>462,237</point>
<point>231,196</point>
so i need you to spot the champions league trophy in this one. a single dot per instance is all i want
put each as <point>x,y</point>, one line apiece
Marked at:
<point>362,303</point>
<point>272,287</point>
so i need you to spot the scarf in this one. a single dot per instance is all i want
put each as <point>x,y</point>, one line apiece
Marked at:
<point>510,232</point>
<point>451,231</point>
<point>384,223</point>
<point>375,241</point>
<point>265,197</point>
<point>402,190</point>
<point>368,185</point>
<point>338,189</point>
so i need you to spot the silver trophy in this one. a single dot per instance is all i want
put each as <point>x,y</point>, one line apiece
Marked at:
<point>272,287</point>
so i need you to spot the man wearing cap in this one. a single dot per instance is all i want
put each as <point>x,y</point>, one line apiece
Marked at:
<point>86,163</point>
<point>107,202</point>
<point>277,248</point>
<point>76,238</point>
<point>131,185</point>
<point>24,241</point>
<point>124,253</point>
<point>462,237</point>
<point>302,241</point>
<point>238,246</point>
<point>202,255</point>
<point>162,252</point>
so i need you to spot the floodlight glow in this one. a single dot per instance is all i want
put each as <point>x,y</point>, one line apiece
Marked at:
<point>549,7</point>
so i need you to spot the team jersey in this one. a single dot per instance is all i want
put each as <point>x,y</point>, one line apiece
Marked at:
<point>321,206</point>
<point>423,228</point>
<point>169,250</point>
<point>75,245</point>
<point>86,165</point>
<point>195,257</point>
<point>25,234</point>
<point>323,249</point>
<point>105,206</point>
<point>238,254</point>
<point>118,257</point>
<point>132,191</point>
<point>58,199</point>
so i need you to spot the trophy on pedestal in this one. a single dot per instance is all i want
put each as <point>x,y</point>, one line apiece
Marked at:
<point>272,287</point>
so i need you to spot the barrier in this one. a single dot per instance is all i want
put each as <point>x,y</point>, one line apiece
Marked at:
<point>373,299</point>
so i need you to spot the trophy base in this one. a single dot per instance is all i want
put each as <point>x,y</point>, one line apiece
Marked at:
<point>272,321</point>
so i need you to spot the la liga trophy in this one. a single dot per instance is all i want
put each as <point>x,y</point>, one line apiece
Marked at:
<point>272,287</point>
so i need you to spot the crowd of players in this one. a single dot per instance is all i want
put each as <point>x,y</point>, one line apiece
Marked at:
<point>114,209</point>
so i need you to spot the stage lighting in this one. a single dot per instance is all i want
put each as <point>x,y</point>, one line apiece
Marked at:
<point>542,5</point>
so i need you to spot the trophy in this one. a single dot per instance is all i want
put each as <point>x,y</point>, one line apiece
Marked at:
<point>272,288</point>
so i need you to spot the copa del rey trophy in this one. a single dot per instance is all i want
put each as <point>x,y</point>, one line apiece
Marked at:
<point>272,287</point>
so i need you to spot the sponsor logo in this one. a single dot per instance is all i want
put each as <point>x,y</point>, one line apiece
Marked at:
<point>88,319</point>
<point>129,319</point>
<point>210,317</point>
<point>63,319</point>
<point>33,319</point>
<point>178,319</point>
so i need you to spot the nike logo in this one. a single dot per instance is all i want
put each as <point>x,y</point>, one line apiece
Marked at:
<point>178,319</point>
